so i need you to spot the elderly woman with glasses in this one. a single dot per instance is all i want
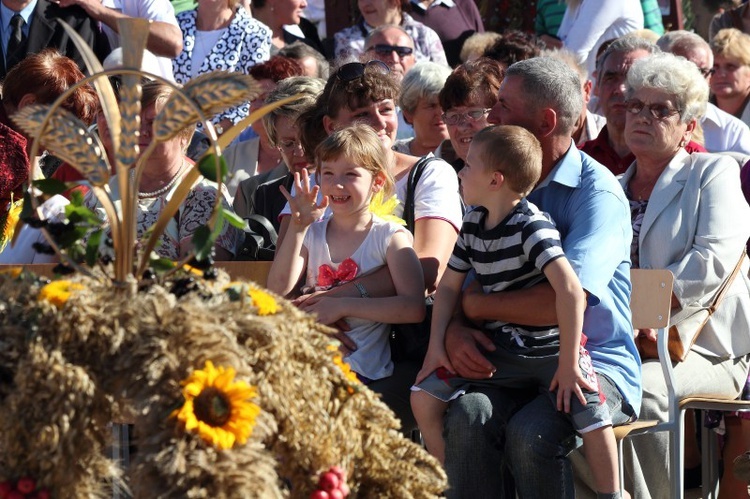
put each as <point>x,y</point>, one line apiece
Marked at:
<point>730,82</point>
<point>260,194</point>
<point>467,98</point>
<point>684,212</point>
<point>366,93</point>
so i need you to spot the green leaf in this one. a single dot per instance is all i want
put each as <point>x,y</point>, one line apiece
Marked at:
<point>160,265</point>
<point>78,214</point>
<point>207,167</point>
<point>234,219</point>
<point>27,210</point>
<point>76,198</point>
<point>92,247</point>
<point>203,242</point>
<point>74,234</point>
<point>50,186</point>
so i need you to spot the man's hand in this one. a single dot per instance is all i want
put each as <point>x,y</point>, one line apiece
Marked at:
<point>461,343</point>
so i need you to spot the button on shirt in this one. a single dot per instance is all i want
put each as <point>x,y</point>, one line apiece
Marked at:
<point>5,16</point>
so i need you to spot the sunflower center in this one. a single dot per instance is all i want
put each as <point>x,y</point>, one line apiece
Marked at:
<point>212,407</point>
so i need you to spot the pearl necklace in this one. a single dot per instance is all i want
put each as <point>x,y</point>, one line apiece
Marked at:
<point>162,190</point>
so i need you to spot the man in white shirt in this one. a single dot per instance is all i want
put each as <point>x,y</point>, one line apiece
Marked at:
<point>722,132</point>
<point>165,36</point>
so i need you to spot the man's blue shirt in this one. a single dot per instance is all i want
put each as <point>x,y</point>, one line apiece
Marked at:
<point>592,214</point>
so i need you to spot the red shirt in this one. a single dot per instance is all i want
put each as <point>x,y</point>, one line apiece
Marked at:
<point>600,150</point>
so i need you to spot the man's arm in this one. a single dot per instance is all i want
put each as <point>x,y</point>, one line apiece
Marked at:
<point>533,306</point>
<point>164,39</point>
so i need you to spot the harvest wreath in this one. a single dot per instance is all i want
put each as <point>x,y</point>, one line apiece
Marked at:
<point>231,390</point>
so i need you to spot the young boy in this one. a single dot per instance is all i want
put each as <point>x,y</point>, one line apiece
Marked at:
<point>510,244</point>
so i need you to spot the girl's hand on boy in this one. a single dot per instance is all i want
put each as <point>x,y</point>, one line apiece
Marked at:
<point>433,361</point>
<point>304,204</point>
<point>569,382</point>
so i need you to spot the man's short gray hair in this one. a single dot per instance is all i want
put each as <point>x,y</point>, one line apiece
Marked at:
<point>681,41</point>
<point>550,83</point>
<point>423,81</point>
<point>675,76</point>
<point>625,45</point>
<point>384,27</point>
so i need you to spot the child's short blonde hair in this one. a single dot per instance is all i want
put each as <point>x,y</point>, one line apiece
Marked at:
<point>514,152</point>
<point>361,145</point>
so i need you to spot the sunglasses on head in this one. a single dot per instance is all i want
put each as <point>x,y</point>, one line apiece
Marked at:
<point>355,70</point>
<point>656,110</point>
<point>385,49</point>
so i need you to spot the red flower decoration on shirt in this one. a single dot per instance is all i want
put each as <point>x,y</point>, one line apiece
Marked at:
<point>328,277</point>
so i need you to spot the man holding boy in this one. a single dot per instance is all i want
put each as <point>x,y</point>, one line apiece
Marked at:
<point>487,430</point>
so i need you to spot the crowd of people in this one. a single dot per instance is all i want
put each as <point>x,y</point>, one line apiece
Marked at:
<point>463,208</point>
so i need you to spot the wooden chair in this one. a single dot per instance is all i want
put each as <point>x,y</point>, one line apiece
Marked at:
<point>650,306</point>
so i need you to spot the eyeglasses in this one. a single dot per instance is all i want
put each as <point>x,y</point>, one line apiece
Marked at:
<point>471,116</point>
<point>706,72</point>
<point>658,111</point>
<point>290,146</point>
<point>385,49</point>
<point>355,70</point>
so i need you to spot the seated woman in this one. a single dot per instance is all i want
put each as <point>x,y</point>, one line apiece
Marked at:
<point>251,154</point>
<point>280,124</point>
<point>730,82</point>
<point>467,98</point>
<point>421,108</point>
<point>684,209</point>
<point>164,170</point>
<point>220,36</point>
<point>350,42</point>
<point>365,93</point>
<point>38,79</point>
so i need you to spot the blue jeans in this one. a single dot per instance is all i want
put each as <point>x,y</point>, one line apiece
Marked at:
<point>500,442</point>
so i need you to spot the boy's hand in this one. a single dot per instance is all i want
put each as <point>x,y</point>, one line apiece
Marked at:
<point>569,382</point>
<point>432,361</point>
<point>304,204</point>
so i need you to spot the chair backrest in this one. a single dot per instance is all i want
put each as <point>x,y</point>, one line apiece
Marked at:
<point>651,299</point>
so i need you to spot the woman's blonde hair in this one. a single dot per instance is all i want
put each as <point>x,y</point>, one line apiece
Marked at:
<point>732,44</point>
<point>361,145</point>
<point>158,94</point>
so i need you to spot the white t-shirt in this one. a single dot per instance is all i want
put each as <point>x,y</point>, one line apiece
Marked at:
<point>153,10</point>
<point>593,22</point>
<point>372,358</point>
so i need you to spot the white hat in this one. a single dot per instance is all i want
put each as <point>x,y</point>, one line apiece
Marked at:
<point>149,64</point>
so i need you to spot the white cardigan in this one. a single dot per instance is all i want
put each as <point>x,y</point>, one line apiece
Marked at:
<point>696,224</point>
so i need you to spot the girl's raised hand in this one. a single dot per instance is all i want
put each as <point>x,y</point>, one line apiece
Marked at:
<point>304,204</point>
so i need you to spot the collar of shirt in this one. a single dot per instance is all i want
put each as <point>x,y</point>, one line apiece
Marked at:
<point>567,171</point>
<point>6,14</point>
<point>448,3</point>
<point>294,29</point>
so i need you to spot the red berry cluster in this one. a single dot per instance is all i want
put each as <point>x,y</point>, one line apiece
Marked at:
<point>24,488</point>
<point>331,485</point>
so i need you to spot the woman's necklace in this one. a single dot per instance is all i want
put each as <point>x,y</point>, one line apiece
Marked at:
<point>162,190</point>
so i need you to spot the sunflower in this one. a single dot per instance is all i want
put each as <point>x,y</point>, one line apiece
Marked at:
<point>265,303</point>
<point>13,272</point>
<point>338,360</point>
<point>217,408</point>
<point>58,292</point>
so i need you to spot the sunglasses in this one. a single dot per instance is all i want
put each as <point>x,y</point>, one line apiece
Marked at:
<point>356,70</point>
<point>706,72</point>
<point>384,49</point>
<point>658,111</point>
<point>471,116</point>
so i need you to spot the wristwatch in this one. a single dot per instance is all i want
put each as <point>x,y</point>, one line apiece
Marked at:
<point>362,291</point>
